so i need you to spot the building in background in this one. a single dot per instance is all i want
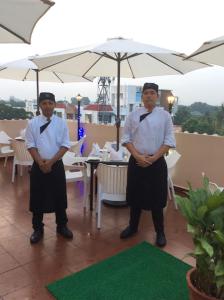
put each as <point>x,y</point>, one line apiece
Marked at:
<point>104,111</point>
<point>60,110</point>
<point>98,114</point>
<point>31,106</point>
<point>66,111</point>
<point>130,98</point>
<point>71,111</point>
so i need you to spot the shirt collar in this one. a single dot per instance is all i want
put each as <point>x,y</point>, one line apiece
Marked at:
<point>155,109</point>
<point>45,118</point>
<point>146,110</point>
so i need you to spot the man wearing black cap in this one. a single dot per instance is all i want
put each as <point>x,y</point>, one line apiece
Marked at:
<point>148,135</point>
<point>47,140</point>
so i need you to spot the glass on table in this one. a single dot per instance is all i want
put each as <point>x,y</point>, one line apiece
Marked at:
<point>105,154</point>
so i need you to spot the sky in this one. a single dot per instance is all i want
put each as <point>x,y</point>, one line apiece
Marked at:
<point>180,25</point>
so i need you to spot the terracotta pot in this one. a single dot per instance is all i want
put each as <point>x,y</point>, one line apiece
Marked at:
<point>195,294</point>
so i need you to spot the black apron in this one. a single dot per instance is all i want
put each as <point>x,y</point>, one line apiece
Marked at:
<point>48,191</point>
<point>147,187</point>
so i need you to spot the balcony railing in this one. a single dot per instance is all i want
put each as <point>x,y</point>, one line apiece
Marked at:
<point>200,153</point>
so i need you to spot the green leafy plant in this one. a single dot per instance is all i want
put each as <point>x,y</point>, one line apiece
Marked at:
<point>204,212</point>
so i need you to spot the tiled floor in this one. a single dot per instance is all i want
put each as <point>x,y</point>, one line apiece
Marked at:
<point>26,269</point>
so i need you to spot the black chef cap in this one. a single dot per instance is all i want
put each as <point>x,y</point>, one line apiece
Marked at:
<point>149,85</point>
<point>46,96</point>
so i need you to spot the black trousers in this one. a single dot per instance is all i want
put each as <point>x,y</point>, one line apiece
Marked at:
<point>61,219</point>
<point>157,217</point>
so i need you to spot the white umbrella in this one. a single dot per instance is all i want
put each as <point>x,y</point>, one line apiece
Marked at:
<point>19,17</point>
<point>211,52</point>
<point>118,57</point>
<point>27,70</point>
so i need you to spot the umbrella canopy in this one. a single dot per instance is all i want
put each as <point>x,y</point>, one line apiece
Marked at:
<point>210,52</point>
<point>118,57</point>
<point>19,17</point>
<point>26,70</point>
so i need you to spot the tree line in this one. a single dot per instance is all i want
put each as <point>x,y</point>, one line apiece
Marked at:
<point>9,112</point>
<point>201,117</point>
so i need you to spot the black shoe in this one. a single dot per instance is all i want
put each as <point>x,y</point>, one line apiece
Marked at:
<point>127,232</point>
<point>160,239</point>
<point>65,232</point>
<point>36,236</point>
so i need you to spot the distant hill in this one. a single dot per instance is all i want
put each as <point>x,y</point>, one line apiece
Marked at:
<point>202,108</point>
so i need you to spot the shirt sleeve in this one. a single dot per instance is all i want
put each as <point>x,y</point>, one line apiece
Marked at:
<point>65,142</point>
<point>127,136</point>
<point>169,138</point>
<point>29,137</point>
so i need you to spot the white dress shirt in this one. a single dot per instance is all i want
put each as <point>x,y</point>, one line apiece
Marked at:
<point>151,133</point>
<point>48,143</point>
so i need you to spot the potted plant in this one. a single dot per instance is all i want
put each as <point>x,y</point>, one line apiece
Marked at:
<point>204,212</point>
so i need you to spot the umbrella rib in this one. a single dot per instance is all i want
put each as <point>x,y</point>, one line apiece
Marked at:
<point>87,79</point>
<point>55,74</point>
<point>150,55</point>
<point>187,58</point>
<point>133,76</point>
<point>27,41</point>
<point>3,69</point>
<point>15,34</point>
<point>98,59</point>
<point>133,55</point>
<point>50,3</point>
<point>107,56</point>
<point>124,56</point>
<point>202,51</point>
<point>24,78</point>
<point>66,59</point>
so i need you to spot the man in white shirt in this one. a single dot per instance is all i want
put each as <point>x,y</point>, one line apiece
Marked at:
<point>47,140</point>
<point>148,135</point>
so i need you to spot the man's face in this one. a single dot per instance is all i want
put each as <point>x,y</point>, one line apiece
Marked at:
<point>149,97</point>
<point>47,107</point>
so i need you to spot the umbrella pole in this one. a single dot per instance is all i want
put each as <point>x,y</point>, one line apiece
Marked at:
<point>37,84</point>
<point>118,121</point>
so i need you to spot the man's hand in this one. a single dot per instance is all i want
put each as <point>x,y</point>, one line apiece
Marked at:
<point>150,158</point>
<point>46,166</point>
<point>143,160</point>
<point>41,164</point>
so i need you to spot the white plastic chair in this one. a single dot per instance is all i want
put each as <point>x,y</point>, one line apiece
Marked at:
<point>76,170</point>
<point>213,186</point>
<point>21,157</point>
<point>76,146</point>
<point>171,161</point>
<point>5,152</point>
<point>112,181</point>
<point>23,133</point>
<point>4,138</point>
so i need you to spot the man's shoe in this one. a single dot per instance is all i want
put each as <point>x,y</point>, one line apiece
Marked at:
<point>160,239</point>
<point>127,232</point>
<point>65,232</point>
<point>36,236</point>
